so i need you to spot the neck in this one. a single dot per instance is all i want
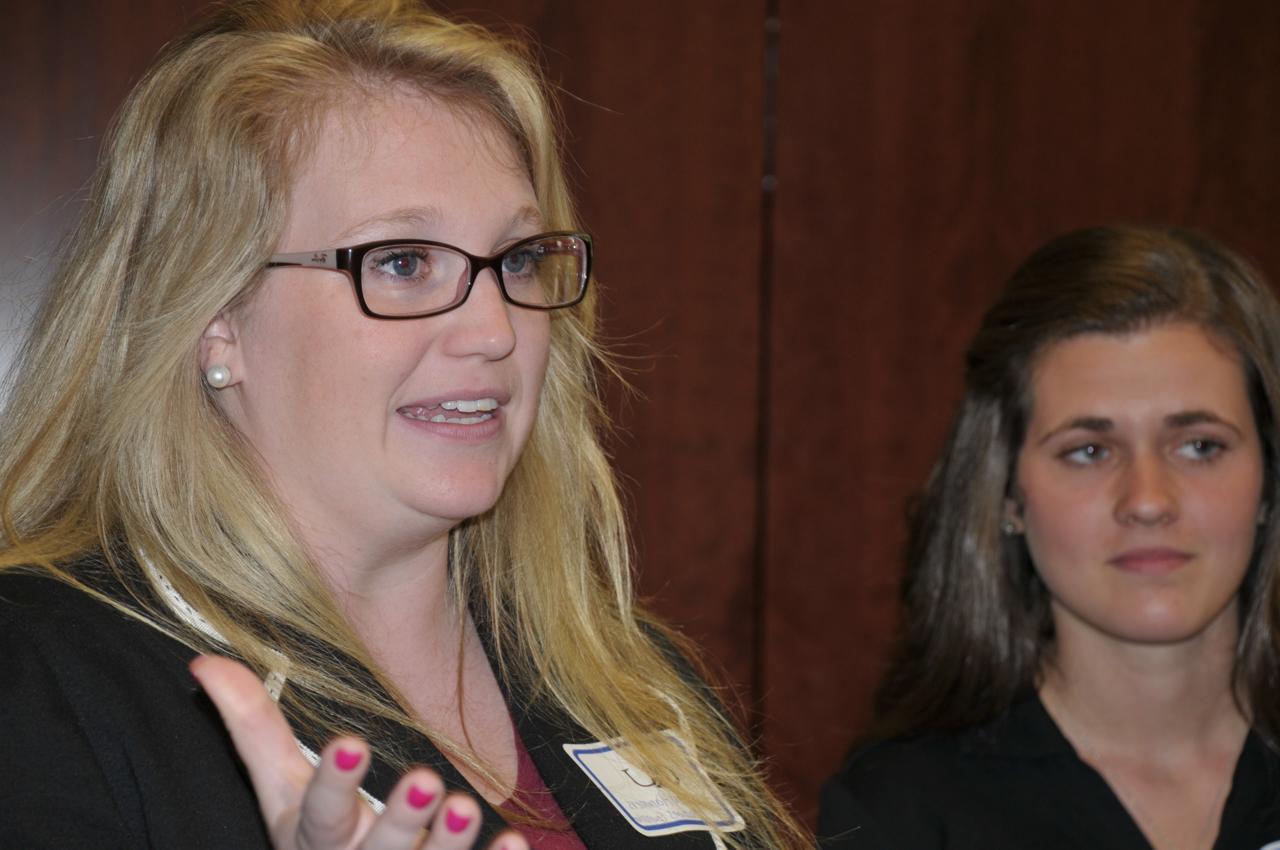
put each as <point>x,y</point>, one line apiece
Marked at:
<point>398,602</point>
<point>1169,701</point>
<point>428,648</point>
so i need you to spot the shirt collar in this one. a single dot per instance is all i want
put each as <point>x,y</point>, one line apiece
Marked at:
<point>1024,731</point>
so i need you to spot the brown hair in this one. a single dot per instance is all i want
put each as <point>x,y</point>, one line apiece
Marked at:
<point>977,619</point>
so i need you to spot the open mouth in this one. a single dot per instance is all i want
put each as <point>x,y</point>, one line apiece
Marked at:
<point>461,411</point>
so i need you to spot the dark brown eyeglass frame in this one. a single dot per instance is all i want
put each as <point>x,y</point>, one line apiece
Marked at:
<point>349,260</point>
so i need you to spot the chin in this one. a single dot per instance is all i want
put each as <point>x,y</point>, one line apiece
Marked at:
<point>458,505</point>
<point>1164,625</point>
<point>1158,634</point>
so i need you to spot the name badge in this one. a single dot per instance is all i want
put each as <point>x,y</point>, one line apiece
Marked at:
<point>642,802</point>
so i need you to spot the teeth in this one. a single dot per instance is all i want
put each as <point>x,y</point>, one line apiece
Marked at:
<point>481,406</point>
<point>462,420</point>
<point>471,405</point>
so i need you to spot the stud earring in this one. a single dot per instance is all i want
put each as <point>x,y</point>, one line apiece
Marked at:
<point>217,376</point>
<point>1009,528</point>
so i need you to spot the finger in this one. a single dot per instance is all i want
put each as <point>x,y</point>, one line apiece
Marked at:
<point>410,806</point>
<point>456,825</point>
<point>509,840</point>
<point>259,731</point>
<point>331,814</point>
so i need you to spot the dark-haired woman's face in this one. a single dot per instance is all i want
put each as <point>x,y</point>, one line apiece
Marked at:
<point>1139,483</point>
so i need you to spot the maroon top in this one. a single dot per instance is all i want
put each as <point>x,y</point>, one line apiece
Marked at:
<point>532,792</point>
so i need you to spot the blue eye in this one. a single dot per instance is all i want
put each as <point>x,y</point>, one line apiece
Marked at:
<point>403,265</point>
<point>1085,455</point>
<point>1201,449</point>
<point>399,265</point>
<point>519,262</point>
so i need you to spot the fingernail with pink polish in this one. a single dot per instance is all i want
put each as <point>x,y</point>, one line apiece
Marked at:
<point>455,822</point>
<point>418,798</point>
<point>346,760</point>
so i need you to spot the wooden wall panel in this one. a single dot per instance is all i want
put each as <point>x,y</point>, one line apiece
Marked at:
<point>924,148</point>
<point>64,68</point>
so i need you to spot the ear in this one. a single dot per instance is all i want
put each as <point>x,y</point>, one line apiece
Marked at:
<point>1011,517</point>
<point>219,346</point>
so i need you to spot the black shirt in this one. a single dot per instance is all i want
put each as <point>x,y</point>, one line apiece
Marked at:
<point>106,742</point>
<point>1014,784</point>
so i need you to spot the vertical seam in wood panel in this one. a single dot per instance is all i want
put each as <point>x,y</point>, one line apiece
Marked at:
<point>764,362</point>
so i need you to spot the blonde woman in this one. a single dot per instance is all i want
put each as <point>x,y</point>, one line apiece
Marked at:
<point>314,389</point>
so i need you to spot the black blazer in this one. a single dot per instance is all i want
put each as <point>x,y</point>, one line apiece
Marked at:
<point>106,741</point>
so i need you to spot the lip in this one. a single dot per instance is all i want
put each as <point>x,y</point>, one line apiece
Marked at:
<point>503,397</point>
<point>472,432</point>
<point>1154,560</point>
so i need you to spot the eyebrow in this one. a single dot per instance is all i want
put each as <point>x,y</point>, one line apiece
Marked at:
<point>526,215</point>
<point>419,218</point>
<point>1102,425</point>
<point>424,219</point>
<point>1198,417</point>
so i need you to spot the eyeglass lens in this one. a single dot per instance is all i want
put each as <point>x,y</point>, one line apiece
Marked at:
<point>399,280</point>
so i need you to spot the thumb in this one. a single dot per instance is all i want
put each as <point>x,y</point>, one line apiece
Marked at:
<point>261,734</point>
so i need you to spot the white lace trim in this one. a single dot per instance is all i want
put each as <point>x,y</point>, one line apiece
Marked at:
<point>276,678</point>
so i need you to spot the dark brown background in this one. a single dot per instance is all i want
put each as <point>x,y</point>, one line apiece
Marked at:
<point>801,208</point>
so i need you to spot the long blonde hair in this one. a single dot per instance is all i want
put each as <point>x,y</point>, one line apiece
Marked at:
<point>112,451</point>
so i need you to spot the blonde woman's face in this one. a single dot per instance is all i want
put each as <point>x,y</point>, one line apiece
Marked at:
<point>345,410</point>
<point>1139,484</point>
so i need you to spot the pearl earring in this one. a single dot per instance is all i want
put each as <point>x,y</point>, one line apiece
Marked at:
<point>217,376</point>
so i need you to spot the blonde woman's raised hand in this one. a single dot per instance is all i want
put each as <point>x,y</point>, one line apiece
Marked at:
<point>317,808</point>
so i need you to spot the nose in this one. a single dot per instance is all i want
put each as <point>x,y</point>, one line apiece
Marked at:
<point>1147,492</point>
<point>482,325</point>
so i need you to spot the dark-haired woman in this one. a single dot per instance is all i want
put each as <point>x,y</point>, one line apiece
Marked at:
<point>1091,649</point>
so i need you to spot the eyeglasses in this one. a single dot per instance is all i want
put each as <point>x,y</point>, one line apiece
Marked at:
<point>412,278</point>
